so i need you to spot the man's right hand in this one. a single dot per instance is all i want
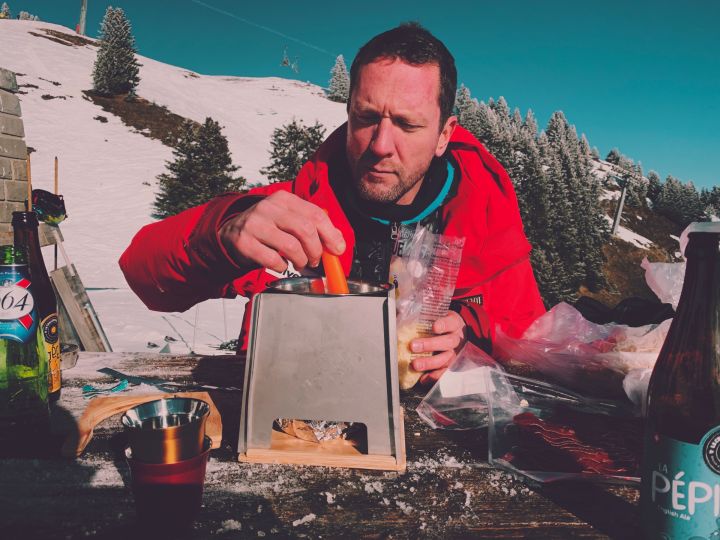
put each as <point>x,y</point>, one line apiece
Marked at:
<point>280,228</point>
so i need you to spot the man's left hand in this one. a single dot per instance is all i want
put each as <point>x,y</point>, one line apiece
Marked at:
<point>450,338</point>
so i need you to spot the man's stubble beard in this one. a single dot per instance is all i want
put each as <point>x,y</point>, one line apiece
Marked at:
<point>367,192</point>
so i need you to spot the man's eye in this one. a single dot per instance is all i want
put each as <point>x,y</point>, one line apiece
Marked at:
<point>365,119</point>
<point>408,126</point>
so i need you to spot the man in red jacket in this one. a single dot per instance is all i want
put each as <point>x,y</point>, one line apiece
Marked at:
<point>401,159</point>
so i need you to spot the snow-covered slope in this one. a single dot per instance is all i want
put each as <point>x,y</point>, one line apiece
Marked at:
<point>107,170</point>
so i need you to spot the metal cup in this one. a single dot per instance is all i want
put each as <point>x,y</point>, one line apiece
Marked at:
<point>317,285</point>
<point>166,430</point>
<point>168,496</point>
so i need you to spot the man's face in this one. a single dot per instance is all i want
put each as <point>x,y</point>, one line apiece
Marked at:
<point>394,129</point>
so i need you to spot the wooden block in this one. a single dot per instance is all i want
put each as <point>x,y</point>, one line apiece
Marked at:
<point>286,449</point>
<point>49,235</point>
<point>103,407</point>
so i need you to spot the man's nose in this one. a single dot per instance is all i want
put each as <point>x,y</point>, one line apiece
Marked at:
<point>382,143</point>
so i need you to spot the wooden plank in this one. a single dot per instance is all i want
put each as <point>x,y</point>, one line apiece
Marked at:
<point>49,235</point>
<point>71,293</point>
<point>449,491</point>
<point>68,334</point>
<point>322,459</point>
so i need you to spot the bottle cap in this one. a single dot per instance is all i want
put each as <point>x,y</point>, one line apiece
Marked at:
<point>24,217</point>
<point>708,227</point>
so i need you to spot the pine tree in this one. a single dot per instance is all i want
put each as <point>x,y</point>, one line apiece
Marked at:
<point>530,124</point>
<point>632,174</point>
<point>654,186</point>
<point>613,156</point>
<point>116,69</point>
<point>580,228</point>
<point>5,11</point>
<point>339,86</point>
<point>710,200</point>
<point>25,16</point>
<point>466,110</point>
<point>201,169</point>
<point>292,145</point>
<point>487,125</point>
<point>679,202</point>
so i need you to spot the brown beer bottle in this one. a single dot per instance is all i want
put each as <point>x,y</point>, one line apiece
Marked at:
<point>25,228</point>
<point>680,492</point>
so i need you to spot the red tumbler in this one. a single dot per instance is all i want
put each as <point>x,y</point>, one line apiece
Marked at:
<point>169,495</point>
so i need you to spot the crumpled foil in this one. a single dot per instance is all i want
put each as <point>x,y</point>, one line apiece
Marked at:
<point>323,430</point>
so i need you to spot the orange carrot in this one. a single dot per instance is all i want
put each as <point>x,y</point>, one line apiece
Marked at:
<point>336,282</point>
<point>334,274</point>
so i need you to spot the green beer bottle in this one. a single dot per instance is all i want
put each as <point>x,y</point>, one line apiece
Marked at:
<point>23,361</point>
<point>25,229</point>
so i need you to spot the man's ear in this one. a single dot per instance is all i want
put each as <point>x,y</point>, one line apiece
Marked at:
<point>447,131</point>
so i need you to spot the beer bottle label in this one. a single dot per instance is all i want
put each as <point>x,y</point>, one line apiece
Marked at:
<point>680,492</point>
<point>18,317</point>
<point>51,338</point>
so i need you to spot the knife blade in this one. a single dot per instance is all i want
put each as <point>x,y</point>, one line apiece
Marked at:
<point>165,386</point>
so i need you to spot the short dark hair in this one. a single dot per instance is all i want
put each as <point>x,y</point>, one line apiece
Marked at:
<point>415,45</point>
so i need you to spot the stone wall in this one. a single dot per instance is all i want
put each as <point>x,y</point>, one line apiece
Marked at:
<point>13,154</point>
<point>13,161</point>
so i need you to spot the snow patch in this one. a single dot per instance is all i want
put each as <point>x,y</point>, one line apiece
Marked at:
<point>629,236</point>
<point>304,520</point>
<point>107,171</point>
<point>230,525</point>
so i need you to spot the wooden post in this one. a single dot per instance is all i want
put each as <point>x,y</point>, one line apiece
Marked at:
<point>55,248</point>
<point>56,175</point>
<point>83,17</point>
<point>28,202</point>
<point>618,212</point>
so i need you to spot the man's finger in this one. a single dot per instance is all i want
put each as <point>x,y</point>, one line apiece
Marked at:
<point>286,245</point>
<point>449,323</point>
<point>331,237</point>
<point>288,203</point>
<point>430,363</point>
<point>444,342</point>
<point>264,256</point>
<point>305,232</point>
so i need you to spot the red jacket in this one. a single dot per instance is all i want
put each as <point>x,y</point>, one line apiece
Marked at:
<point>177,262</point>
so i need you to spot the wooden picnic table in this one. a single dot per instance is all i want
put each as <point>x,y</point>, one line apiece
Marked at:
<point>448,491</point>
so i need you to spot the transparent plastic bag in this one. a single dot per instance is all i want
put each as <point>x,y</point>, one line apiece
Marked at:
<point>457,401</point>
<point>665,280</point>
<point>564,348</point>
<point>548,433</point>
<point>425,276</point>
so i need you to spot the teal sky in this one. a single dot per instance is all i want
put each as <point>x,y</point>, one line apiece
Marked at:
<point>642,76</point>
